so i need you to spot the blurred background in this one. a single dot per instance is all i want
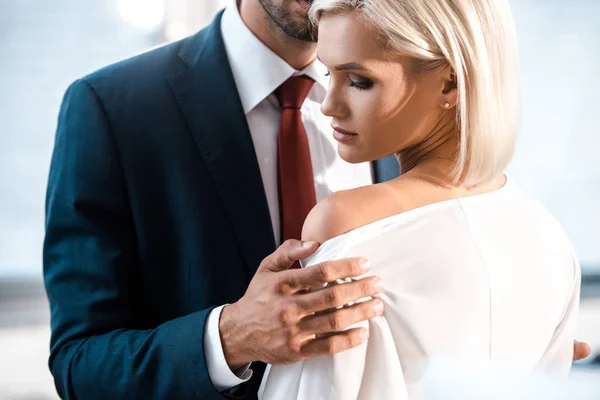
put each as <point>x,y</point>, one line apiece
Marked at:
<point>47,44</point>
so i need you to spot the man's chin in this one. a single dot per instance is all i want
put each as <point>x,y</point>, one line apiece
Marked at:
<point>291,17</point>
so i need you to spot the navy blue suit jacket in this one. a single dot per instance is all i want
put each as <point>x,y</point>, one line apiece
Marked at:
<point>156,213</point>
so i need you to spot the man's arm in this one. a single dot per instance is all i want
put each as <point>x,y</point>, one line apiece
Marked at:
<point>91,272</point>
<point>221,375</point>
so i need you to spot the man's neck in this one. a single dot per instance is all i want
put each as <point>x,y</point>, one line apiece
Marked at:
<point>297,53</point>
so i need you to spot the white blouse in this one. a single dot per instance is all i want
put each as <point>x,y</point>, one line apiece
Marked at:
<point>489,279</point>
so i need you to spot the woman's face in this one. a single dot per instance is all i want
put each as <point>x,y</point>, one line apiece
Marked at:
<point>377,104</point>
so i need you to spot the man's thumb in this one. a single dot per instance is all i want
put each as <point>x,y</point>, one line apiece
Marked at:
<point>287,254</point>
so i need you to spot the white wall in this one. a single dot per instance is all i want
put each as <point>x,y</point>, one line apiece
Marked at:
<point>185,17</point>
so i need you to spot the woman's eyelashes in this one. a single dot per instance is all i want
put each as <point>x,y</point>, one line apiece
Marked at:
<point>359,83</point>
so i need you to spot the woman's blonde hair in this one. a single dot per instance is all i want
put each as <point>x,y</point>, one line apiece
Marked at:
<point>477,39</point>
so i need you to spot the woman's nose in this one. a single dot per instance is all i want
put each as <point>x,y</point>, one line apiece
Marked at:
<point>332,106</point>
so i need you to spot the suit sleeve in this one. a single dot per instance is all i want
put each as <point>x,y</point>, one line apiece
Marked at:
<point>91,271</point>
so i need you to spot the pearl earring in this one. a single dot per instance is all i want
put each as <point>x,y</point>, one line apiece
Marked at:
<point>446,105</point>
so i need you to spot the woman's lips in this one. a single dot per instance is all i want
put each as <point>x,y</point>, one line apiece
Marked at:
<point>342,135</point>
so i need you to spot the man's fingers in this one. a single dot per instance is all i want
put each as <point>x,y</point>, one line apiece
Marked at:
<point>338,320</point>
<point>581,350</point>
<point>336,343</point>
<point>326,272</point>
<point>288,253</point>
<point>339,295</point>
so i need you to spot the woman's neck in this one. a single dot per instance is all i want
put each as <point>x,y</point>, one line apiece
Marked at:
<point>439,149</point>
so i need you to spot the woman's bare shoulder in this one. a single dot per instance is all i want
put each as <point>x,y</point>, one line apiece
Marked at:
<point>347,210</point>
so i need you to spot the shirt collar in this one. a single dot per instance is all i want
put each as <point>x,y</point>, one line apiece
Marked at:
<point>256,69</point>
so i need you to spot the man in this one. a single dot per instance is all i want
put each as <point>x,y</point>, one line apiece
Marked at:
<point>175,176</point>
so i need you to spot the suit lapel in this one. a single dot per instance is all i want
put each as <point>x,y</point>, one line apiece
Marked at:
<point>207,95</point>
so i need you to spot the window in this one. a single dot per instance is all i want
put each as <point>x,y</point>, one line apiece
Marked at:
<point>45,45</point>
<point>557,154</point>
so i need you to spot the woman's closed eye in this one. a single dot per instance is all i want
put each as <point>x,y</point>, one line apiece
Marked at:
<point>360,83</point>
<point>357,82</point>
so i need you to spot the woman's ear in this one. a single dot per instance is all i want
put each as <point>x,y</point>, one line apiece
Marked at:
<point>449,94</point>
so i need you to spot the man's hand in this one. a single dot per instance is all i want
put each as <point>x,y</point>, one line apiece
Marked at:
<point>581,350</point>
<point>279,321</point>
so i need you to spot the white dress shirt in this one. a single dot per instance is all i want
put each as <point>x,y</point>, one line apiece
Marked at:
<point>257,72</point>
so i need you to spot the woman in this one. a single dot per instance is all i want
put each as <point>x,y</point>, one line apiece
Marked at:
<point>474,269</point>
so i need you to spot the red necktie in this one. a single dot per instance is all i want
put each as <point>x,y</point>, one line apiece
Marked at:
<point>294,168</point>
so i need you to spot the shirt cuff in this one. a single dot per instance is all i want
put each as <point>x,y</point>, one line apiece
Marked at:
<point>222,377</point>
